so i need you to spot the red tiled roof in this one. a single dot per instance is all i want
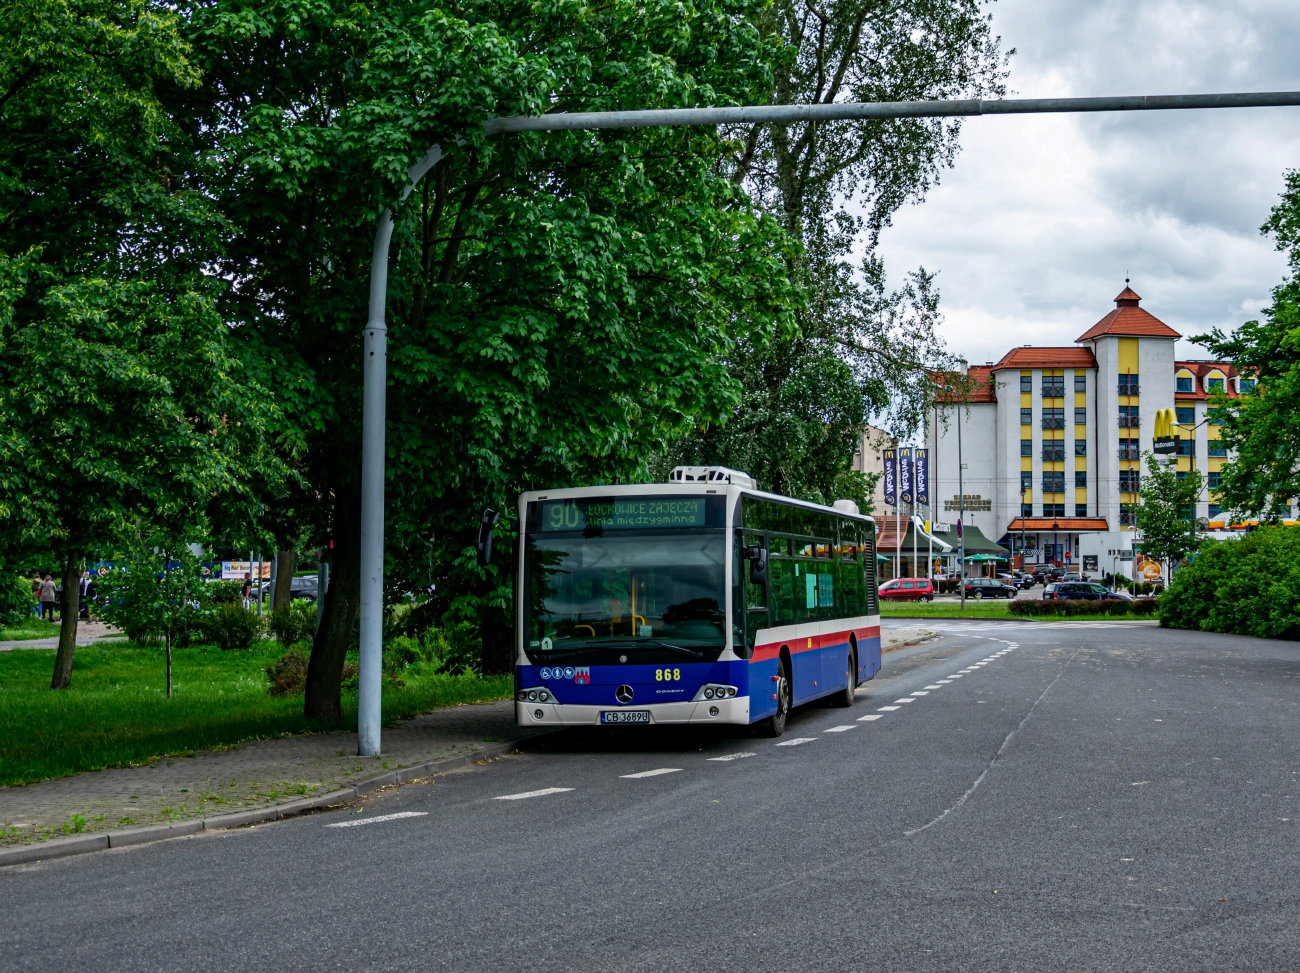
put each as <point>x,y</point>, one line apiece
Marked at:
<point>1031,357</point>
<point>982,386</point>
<point>1200,371</point>
<point>890,529</point>
<point>1063,524</point>
<point>1129,319</point>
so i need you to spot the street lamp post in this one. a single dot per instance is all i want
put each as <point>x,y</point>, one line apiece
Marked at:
<point>961,505</point>
<point>375,336</point>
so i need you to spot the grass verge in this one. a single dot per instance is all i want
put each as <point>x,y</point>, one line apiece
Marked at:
<point>30,628</point>
<point>116,713</point>
<point>991,609</point>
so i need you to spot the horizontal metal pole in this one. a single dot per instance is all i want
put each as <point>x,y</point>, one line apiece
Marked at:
<point>778,114</point>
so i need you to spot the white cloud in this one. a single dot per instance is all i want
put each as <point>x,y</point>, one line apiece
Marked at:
<point>1042,217</point>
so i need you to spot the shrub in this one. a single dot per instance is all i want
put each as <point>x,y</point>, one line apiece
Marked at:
<point>226,592</point>
<point>288,674</point>
<point>948,587</point>
<point>1249,586</point>
<point>231,627</point>
<point>15,599</point>
<point>294,622</point>
<point>1027,608</point>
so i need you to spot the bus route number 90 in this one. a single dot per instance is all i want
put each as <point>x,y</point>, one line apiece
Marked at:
<point>668,675</point>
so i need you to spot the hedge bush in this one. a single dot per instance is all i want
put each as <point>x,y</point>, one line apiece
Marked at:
<point>231,627</point>
<point>1029,608</point>
<point>1249,586</point>
<point>15,599</point>
<point>294,622</point>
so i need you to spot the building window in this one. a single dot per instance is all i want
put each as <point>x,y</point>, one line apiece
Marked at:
<point>1246,385</point>
<point>1054,510</point>
<point>1026,510</point>
<point>1053,386</point>
<point>1080,478</point>
<point>1081,447</point>
<point>1081,381</point>
<point>1128,385</point>
<point>1053,418</point>
<point>1186,415</point>
<point>1129,449</point>
<point>1129,481</point>
<point>1080,417</point>
<point>1215,510</point>
<point>1053,450</point>
<point>1026,417</point>
<point>1214,480</point>
<point>1127,516</point>
<point>1216,447</point>
<point>1026,480</point>
<point>1054,482</point>
<point>1026,382</point>
<point>1214,384</point>
<point>1081,510</point>
<point>1129,416</point>
<point>1180,475</point>
<point>1026,447</point>
<point>1185,383</point>
<point>1186,447</point>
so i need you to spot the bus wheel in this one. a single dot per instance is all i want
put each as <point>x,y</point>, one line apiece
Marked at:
<point>774,725</point>
<point>850,692</point>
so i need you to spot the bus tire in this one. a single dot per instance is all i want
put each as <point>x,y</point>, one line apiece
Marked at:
<point>774,725</point>
<point>845,699</point>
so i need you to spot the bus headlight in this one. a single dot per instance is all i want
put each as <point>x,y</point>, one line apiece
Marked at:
<point>712,690</point>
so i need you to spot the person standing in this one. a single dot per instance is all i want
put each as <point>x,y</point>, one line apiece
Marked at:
<point>83,589</point>
<point>36,594</point>
<point>248,589</point>
<point>49,591</point>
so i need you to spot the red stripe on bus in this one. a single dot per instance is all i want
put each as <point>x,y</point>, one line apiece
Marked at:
<point>770,650</point>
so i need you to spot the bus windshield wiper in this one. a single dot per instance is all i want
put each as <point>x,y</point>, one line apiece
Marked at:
<point>677,648</point>
<point>640,644</point>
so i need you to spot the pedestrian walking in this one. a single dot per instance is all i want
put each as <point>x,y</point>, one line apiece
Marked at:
<point>83,596</point>
<point>48,595</point>
<point>248,589</point>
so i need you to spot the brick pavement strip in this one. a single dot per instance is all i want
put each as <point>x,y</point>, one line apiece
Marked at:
<point>254,781</point>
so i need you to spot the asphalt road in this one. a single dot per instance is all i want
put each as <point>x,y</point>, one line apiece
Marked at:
<point>1095,798</point>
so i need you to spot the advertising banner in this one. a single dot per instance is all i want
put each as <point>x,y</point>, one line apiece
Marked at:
<point>905,474</point>
<point>235,570</point>
<point>921,479</point>
<point>891,476</point>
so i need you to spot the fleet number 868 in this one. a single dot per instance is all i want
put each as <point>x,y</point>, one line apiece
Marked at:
<point>668,675</point>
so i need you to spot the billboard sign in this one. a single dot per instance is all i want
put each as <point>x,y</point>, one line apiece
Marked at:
<point>891,476</point>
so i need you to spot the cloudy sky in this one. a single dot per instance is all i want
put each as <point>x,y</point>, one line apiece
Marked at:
<point>1035,228</point>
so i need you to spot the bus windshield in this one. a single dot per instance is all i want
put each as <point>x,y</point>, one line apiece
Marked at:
<point>630,589</point>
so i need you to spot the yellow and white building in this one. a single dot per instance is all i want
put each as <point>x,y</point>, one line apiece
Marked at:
<point>1054,438</point>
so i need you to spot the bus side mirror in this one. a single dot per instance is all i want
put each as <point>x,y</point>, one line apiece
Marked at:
<point>485,525</point>
<point>757,558</point>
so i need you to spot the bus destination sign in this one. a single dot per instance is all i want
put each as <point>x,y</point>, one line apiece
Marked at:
<point>632,513</point>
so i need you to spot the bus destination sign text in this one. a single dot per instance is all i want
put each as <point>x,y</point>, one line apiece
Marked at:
<point>628,514</point>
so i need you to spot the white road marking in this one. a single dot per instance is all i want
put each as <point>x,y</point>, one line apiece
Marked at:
<point>796,741</point>
<point>379,818</point>
<point>905,699</point>
<point>542,793</point>
<point>945,682</point>
<point>651,773</point>
<point>957,675</point>
<point>730,756</point>
<point>869,717</point>
<point>920,692</point>
<point>889,709</point>
<point>931,687</point>
<point>839,729</point>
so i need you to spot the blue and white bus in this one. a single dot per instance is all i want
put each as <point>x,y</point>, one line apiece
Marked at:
<point>702,600</point>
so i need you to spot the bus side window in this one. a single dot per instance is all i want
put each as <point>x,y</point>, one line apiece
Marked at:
<point>781,582</point>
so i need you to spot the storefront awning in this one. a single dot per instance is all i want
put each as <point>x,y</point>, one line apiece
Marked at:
<point>976,542</point>
<point>1062,525</point>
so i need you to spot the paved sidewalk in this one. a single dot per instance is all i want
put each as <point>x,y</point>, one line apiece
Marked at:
<point>87,632</point>
<point>252,775</point>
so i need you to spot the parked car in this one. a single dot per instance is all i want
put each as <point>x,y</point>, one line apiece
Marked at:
<point>1080,590</point>
<point>981,588</point>
<point>1042,573</point>
<point>1049,590</point>
<point>1120,595</point>
<point>1020,579</point>
<point>303,586</point>
<point>907,589</point>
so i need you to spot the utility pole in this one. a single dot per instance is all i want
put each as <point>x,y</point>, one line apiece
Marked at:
<point>961,505</point>
<point>375,336</point>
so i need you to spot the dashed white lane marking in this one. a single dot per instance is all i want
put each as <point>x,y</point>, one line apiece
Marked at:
<point>796,741</point>
<point>889,709</point>
<point>905,699</point>
<point>839,729</point>
<point>378,818</point>
<point>651,773</point>
<point>731,756</point>
<point>932,687</point>
<point>869,717</point>
<point>944,682</point>
<point>542,793</point>
<point>957,675</point>
<point>920,692</point>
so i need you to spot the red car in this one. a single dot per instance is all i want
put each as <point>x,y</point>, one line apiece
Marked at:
<point>907,589</point>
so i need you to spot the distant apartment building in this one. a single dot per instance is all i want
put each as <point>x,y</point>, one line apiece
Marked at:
<point>868,459</point>
<point>1054,439</point>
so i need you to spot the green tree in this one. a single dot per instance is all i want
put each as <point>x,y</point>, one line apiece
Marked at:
<point>561,305</point>
<point>1166,514</point>
<point>1262,427</point>
<point>157,594</point>
<point>119,401</point>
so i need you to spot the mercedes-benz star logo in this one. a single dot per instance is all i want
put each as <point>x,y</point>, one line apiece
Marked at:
<point>623,694</point>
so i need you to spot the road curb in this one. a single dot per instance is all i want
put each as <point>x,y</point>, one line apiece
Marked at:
<point>80,844</point>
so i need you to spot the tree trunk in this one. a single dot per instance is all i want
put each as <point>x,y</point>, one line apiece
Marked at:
<point>68,624</point>
<point>168,641</point>
<point>334,637</point>
<point>285,563</point>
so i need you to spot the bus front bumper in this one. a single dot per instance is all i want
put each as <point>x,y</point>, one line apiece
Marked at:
<point>732,710</point>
